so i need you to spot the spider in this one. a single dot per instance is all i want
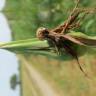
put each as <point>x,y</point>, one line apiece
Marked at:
<point>60,37</point>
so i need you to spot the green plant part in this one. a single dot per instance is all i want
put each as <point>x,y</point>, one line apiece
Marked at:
<point>14,81</point>
<point>25,45</point>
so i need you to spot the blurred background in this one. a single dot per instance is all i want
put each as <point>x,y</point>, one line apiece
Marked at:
<point>24,17</point>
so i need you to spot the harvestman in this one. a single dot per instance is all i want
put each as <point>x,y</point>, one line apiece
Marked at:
<point>60,38</point>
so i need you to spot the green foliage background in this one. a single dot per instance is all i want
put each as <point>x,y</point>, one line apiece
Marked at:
<point>25,16</point>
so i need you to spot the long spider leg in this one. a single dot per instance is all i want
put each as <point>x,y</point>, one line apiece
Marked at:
<point>80,66</point>
<point>74,54</point>
<point>56,47</point>
<point>79,21</point>
<point>54,44</point>
<point>70,17</point>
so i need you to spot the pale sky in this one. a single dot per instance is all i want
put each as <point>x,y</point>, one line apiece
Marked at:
<point>8,60</point>
<point>2,4</point>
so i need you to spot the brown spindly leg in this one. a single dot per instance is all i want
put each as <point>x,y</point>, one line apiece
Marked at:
<point>73,53</point>
<point>73,15</point>
<point>53,42</point>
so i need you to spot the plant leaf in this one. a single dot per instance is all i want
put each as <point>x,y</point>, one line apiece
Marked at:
<point>28,44</point>
<point>82,39</point>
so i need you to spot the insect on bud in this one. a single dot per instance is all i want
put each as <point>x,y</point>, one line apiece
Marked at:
<point>41,33</point>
